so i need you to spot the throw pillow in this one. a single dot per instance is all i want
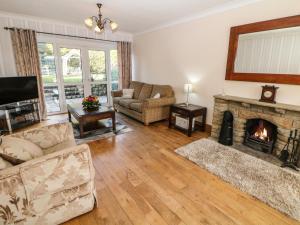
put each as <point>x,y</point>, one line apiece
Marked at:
<point>4,164</point>
<point>17,150</point>
<point>128,93</point>
<point>157,95</point>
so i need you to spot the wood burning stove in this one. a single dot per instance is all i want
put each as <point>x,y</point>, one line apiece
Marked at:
<point>260,135</point>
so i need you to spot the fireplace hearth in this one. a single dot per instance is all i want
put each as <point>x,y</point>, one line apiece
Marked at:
<point>260,135</point>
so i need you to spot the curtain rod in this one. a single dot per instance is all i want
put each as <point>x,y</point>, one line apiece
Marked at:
<point>64,35</point>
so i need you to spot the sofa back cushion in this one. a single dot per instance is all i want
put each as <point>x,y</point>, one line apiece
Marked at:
<point>125,102</point>
<point>48,136</point>
<point>146,91</point>
<point>163,90</point>
<point>137,86</point>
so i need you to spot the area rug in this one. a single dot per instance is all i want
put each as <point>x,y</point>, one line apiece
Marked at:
<point>276,186</point>
<point>105,131</point>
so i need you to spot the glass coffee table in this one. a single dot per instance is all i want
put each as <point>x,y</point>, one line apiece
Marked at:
<point>88,120</point>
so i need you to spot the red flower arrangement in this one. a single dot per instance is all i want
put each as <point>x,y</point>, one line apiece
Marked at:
<point>91,103</point>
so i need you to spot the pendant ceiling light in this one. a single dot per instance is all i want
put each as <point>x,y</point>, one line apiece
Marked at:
<point>99,24</point>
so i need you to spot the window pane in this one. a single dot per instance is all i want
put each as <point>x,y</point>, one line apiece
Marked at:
<point>52,98</point>
<point>47,61</point>
<point>74,93</point>
<point>100,90</point>
<point>97,65</point>
<point>114,65</point>
<point>114,86</point>
<point>71,65</point>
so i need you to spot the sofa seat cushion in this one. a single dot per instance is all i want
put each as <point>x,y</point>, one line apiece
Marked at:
<point>163,90</point>
<point>61,146</point>
<point>17,150</point>
<point>136,106</point>
<point>61,172</point>
<point>137,86</point>
<point>127,101</point>
<point>146,91</point>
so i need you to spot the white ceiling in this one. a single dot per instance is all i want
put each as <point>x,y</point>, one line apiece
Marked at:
<point>133,16</point>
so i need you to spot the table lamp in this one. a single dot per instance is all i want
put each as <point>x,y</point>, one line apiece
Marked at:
<point>188,88</point>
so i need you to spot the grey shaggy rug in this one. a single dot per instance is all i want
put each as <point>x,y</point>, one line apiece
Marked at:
<point>276,186</point>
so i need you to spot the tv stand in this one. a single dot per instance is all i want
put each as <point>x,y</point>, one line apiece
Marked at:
<point>19,115</point>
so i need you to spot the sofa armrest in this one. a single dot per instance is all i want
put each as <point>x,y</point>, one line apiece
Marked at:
<point>57,171</point>
<point>48,136</point>
<point>158,102</point>
<point>117,93</point>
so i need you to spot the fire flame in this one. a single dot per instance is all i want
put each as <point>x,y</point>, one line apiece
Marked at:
<point>262,134</point>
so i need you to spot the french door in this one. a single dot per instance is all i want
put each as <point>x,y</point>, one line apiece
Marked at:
<point>71,71</point>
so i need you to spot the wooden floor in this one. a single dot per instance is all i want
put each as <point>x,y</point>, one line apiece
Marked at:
<point>140,180</point>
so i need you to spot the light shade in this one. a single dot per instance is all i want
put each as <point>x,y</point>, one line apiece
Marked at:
<point>113,25</point>
<point>98,30</point>
<point>89,22</point>
<point>188,88</point>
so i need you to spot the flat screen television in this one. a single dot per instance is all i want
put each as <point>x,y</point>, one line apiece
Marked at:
<point>17,89</point>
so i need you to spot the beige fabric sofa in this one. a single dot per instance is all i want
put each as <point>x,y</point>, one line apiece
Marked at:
<point>143,106</point>
<point>53,188</point>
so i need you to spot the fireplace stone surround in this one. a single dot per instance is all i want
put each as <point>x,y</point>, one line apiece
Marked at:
<point>284,116</point>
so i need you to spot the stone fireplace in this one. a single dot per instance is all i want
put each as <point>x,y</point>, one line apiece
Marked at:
<point>262,126</point>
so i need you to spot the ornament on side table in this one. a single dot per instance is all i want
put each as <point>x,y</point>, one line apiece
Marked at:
<point>90,103</point>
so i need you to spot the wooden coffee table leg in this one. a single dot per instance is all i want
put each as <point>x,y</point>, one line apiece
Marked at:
<point>81,131</point>
<point>69,115</point>
<point>114,122</point>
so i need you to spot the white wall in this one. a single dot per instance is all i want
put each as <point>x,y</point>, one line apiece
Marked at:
<point>197,50</point>
<point>7,64</point>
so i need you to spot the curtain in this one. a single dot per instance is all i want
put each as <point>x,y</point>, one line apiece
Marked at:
<point>124,61</point>
<point>27,60</point>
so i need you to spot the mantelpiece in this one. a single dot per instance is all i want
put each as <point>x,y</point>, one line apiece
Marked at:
<point>278,106</point>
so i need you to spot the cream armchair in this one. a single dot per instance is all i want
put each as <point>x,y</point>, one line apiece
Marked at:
<point>53,188</point>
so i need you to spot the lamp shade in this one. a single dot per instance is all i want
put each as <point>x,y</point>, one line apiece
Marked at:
<point>188,88</point>
<point>89,22</point>
<point>113,25</point>
<point>98,30</point>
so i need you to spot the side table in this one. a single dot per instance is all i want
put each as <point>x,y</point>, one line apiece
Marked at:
<point>191,111</point>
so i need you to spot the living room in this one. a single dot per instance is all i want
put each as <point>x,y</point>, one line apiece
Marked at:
<point>144,112</point>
